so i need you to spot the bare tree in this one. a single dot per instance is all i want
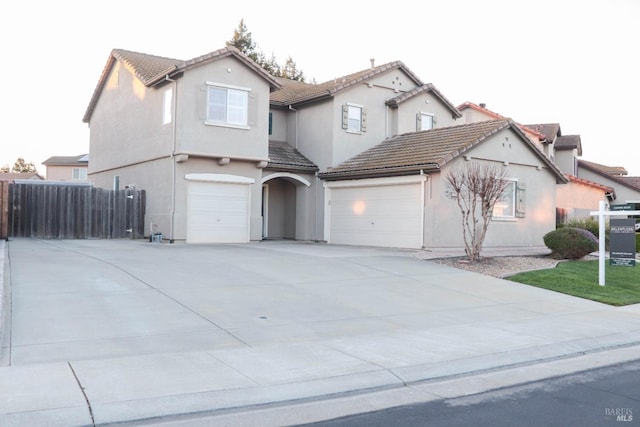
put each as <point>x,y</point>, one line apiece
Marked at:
<point>476,188</point>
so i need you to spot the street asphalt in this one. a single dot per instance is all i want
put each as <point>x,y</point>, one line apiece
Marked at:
<point>98,332</point>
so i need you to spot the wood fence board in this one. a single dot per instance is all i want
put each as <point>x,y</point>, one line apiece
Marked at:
<point>52,211</point>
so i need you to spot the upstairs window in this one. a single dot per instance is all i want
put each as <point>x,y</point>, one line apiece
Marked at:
<point>354,118</point>
<point>79,174</point>
<point>227,105</point>
<point>424,121</point>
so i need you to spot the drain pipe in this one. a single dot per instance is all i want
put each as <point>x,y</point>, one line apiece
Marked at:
<point>174,117</point>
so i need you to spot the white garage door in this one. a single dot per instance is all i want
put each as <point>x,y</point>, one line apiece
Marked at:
<point>388,214</point>
<point>218,208</point>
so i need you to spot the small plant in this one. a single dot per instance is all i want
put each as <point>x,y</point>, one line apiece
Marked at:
<point>571,242</point>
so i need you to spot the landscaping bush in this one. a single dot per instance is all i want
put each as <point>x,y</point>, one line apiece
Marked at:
<point>571,242</point>
<point>590,224</point>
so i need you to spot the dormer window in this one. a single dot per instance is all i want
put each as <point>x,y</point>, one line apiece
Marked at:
<point>424,121</point>
<point>227,105</point>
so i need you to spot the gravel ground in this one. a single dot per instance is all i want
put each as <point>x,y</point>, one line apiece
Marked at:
<point>502,266</point>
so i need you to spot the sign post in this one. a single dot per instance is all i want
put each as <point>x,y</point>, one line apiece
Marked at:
<point>601,232</point>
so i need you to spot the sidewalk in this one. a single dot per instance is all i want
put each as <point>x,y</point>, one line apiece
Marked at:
<point>423,329</point>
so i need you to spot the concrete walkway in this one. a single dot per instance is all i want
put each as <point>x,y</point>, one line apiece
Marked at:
<point>99,332</point>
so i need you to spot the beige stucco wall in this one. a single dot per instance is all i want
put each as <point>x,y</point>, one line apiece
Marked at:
<point>579,199</point>
<point>443,227</point>
<point>62,173</point>
<point>128,139</point>
<point>624,194</point>
<point>423,103</point>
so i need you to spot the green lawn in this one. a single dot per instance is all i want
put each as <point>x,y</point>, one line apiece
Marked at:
<point>580,279</point>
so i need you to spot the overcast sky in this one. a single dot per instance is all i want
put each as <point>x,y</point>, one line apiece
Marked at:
<point>575,63</point>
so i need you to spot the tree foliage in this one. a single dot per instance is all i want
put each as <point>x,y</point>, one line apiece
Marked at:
<point>20,166</point>
<point>243,40</point>
<point>476,188</point>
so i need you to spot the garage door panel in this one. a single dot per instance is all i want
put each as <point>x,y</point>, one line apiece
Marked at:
<point>388,216</point>
<point>218,213</point>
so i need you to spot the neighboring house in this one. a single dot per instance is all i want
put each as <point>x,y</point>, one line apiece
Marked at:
<point>67,168</point>
<point>228,153</point>
<point>15,176</point>
<point>626,189</point>
<point>580,197</point>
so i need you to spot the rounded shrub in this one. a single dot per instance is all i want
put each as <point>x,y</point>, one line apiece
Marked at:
<point>571,242</point>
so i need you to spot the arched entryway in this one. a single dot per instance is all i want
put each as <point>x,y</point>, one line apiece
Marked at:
<point>279,204</point>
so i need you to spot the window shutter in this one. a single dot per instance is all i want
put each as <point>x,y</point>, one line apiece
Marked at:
<point>270,123</point>
<point>363,126</point>
<point>345,117</point>
<point>418,122</point>
<point>521,198</point>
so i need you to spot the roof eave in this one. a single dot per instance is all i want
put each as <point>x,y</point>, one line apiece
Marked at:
<point>378,173</point>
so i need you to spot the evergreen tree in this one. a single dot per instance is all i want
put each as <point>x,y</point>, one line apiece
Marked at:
<point>243,41</point>
<point>23,167</point>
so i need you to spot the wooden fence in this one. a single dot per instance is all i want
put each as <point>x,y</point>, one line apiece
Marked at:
<point>51,211</point>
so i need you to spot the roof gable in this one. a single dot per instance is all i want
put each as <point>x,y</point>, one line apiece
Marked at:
<point>428,88</point>
<point>427,150</point>
<point>294,92</point>
<point>152,70</point>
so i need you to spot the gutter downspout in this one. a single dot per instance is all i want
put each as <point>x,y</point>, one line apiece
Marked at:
<point>173,159</point>
<point>295,138</point>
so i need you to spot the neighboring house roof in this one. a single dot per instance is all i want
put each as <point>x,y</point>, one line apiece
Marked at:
<point>606,189</point>
<point>569,142</point>
<point>598,169</point>
<point>294,92</point>
<point>394,102</point>
<point>608,170</point>
<point>427,150</point>
<point>633,181</point>
<point>152,70</point>
<point>11,176</point>
<point>483,109</point>
<point>284,156</point>
<point>550,130</point>
<point>81,160</point>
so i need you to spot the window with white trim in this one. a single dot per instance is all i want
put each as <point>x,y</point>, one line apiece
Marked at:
<point>505,207</point>
<point>424,121</point>
<point>227,105</point>
<point>354,118</point>
<point>79,174</point>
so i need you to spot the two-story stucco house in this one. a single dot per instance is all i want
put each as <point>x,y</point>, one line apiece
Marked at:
<point>228,153</point>
<point>67,168</point>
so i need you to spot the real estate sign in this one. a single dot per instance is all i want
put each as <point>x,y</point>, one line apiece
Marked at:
<point>622,242</point>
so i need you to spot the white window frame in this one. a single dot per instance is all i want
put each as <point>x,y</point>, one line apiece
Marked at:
<point>79,174</point>
<point>352,120</point>
<point>512,215</point>
<point>431,120</point>
<point>235,106</point>
<point>167,106</point>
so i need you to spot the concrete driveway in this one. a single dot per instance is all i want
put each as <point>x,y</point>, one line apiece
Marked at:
<point>137,330</point>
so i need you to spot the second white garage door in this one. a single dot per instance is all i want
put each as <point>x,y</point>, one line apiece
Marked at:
<point>375,212</point>
<point>218,208</point>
